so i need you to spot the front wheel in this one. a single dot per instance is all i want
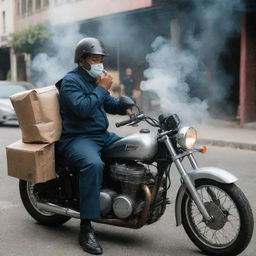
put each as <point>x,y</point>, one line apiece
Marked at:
<point>29,199</point>
<point>230,230</point>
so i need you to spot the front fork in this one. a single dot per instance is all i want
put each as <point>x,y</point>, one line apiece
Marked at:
<point>186,179</point>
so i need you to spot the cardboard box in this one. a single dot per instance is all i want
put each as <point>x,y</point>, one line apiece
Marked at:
<point>38,114</point>
<point>31,162</point>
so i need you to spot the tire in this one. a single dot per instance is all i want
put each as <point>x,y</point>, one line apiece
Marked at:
<point>224,219</point>
<point>43,217</point>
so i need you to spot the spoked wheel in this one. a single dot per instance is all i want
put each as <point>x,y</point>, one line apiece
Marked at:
<point>230,230</point>
<point>29,199</point>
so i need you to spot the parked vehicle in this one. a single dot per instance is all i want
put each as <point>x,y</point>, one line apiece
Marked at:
<point>214,212</point>
<point>7,88</point>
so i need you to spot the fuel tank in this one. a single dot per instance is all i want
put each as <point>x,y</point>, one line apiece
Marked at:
<point>138,146</point>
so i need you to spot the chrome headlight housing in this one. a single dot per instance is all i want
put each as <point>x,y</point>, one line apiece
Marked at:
<point>186,137</point>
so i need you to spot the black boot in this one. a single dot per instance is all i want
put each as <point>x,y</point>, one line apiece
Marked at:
<point>87,238</point>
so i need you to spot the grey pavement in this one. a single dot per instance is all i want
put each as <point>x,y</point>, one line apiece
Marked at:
<point>228,134</point>
<point>20,235</point>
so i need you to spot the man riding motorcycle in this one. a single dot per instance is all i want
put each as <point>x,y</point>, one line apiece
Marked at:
<point>213,210</point>
<point>84,101</point>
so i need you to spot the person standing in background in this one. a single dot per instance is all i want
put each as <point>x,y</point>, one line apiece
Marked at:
<point>128,83</point>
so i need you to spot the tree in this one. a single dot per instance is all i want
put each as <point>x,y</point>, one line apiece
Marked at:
<point>31,40</point>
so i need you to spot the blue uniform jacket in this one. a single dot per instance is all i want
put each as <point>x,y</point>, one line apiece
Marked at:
<point>84,103</point>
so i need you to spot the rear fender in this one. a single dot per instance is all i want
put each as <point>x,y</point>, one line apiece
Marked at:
<point>211,173</point>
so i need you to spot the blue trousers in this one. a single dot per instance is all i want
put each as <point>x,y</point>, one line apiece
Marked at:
<point>84,152</point>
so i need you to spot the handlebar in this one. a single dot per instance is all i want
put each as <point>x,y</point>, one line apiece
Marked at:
<point>122,123</point>
<point>133,118</point>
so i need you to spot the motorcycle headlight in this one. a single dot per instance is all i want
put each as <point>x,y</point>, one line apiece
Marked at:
<point>186,137</point>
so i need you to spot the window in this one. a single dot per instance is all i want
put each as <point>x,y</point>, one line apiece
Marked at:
<point>38,4</point>
<point>30,6</point>
<point>7,90</point>
<point>18,8</point>
<point>23,7</point>
<point>45,3</point>
<point>4,22</point>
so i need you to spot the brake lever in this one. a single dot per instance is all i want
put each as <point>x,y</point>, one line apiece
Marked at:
<point>137,119</point>
<point>132,116</point>
<point>134,123</point>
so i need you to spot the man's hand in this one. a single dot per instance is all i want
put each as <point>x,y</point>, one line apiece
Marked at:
<point>129,112</point>
<point>105,80</point>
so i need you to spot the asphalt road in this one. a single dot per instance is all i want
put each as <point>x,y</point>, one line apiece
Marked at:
<point>20,235</point>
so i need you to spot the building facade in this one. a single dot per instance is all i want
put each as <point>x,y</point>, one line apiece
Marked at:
<point>6,29</point>
<point>143,21</point>
<point>66,11</point>
<point>247,106</point>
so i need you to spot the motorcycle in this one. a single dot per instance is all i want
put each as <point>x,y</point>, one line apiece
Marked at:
<point>214,212</point>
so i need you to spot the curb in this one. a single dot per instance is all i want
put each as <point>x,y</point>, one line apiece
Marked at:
<point>222,143</point>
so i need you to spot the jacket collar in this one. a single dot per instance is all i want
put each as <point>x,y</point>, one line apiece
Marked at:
<point>85,74</point>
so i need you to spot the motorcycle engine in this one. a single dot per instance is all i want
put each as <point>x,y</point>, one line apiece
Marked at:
<point>130,176</point>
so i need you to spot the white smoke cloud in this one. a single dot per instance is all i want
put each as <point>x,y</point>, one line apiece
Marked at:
<point>174,63</point>
<point>167,74</point>
<point>48,68</point>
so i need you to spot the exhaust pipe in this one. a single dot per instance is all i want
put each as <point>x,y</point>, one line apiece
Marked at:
<point>135,224</point>
<point>58,210</point>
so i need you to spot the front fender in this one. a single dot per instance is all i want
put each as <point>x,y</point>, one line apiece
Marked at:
<point>211,173</point>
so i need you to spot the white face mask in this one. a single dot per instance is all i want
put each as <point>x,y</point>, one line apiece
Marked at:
<point>96,70</point>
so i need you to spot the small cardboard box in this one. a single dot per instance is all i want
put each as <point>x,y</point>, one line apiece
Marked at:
<point>38,114</point>
<point>31,162</point>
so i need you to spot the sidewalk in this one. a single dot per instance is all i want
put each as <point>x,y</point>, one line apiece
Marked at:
<point>227,134</point>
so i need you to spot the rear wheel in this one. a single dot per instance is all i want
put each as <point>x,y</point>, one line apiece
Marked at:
<point>231,229</point>
<point>30,198</point>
